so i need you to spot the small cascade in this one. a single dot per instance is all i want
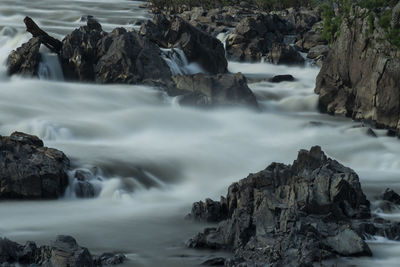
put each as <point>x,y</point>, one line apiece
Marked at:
<point>178,63</point>
<point>50,68</point>
<point>92,182</point>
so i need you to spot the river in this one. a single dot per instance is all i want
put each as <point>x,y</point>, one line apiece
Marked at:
<point>154,158</point>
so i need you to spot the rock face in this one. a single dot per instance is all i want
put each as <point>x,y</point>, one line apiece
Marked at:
<point>63,252</point>
<point>197,45</point>
<point>28,170</point>
<point>361,76</point>
<point>285,54</point>
<point>25,59</point>
<point>292,215</point>
<point>212,90</point>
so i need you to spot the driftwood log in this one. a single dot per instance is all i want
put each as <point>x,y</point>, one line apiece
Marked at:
<point>50,42</point>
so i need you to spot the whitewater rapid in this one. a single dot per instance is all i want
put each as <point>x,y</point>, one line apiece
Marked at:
<point>153,157</point>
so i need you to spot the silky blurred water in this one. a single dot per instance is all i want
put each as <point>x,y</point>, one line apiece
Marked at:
<point>156,157</point>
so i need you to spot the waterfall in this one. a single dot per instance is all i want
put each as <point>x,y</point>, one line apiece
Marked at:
<point>178,62</point>
<point>50,68</point>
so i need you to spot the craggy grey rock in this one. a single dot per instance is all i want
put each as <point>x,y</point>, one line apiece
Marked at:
<point>293,215</point>
<point>319,50</point>
<point>128,57</point>
<point>395,22</point>
<point>208,211</point>
<point>197,45</point>
<point>25,59</point>
<point>28,170</point>
<point>211,90</point>
<point>63,252</point>
<point>359,78</point>
<point>391,196</point>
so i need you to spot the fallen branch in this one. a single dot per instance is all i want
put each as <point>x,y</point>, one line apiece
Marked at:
<point>50,42</point>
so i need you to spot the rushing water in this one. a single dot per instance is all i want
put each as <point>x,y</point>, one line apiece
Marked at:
<point>154,157</point>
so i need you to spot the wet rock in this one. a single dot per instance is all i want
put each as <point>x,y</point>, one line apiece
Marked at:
<point>107,259</point>
<point>25,59</point>
<point>128,57</point>
<point>391,196</point>
<point>285,54</point>
<point>28,170</point>
<point>208,211</point>
<point>63,252</point>
<point>282,78</point>
<point>198,46</point>
<point>79,51</point>
<point>294,215</point>
<point>214,262</point>
<point>361,83</point>
<point>212,90</point>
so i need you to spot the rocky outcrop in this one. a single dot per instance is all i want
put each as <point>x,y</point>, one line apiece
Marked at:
<point>197,45</point>
<point>292,215</point>
<point>214,90</point>
<point>25,59</point>
<point>360,76</point>
<point>28,170</point>
<point>254,36</point>
<point>285,54</point>
<point>63,252</point>
<point>90,54</point>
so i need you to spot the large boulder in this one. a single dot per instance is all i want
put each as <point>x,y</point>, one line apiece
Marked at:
<point>25,59</point>
<point>285,54</point>
<point>360,77</point>
<point>197,45</point>
<point>212,90</point>
<point>127,57</point>
<point>28,170</point>
<point>292,215</point>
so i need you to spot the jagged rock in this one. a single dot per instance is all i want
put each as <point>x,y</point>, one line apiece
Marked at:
<point>128,57</point>
<point>254,36</point>
<point>294,215</point>
<point>198,46</point>
<point>28,170</point>
<point>63,252</point>
<point>391,196</point>
<point>210,90</point>
<point>282,78</point>
<point>209,211</point>
<point>25,59</point>
<point>360,77</point>
<point>214,262</point>
<point>79,51</point>
<point>285,54</point>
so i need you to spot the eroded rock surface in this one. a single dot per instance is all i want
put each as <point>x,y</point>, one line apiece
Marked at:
<point>25,59</point>
<point>292,215</point>
<point>28,170</point>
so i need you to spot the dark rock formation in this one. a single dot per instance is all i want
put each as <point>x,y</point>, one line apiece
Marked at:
<point>25,59</point>
<point>197,45</point>
<point>282,78</point>
<point>79,51</point>
<point>292,215</point>
<point>128,57</point>
<point>285,54</point>
<point>360,77</point>
<point>63,252</point>
<point>212,90</point>
<point>28,170</point>
<point>253,37</point>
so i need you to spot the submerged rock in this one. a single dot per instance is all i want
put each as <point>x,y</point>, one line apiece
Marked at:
<point>28,170</point>
<point>62,252</point>
<point>292,215</point>
<point>212,90</point>
<point>25,59</point>
<point>282,78</point>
